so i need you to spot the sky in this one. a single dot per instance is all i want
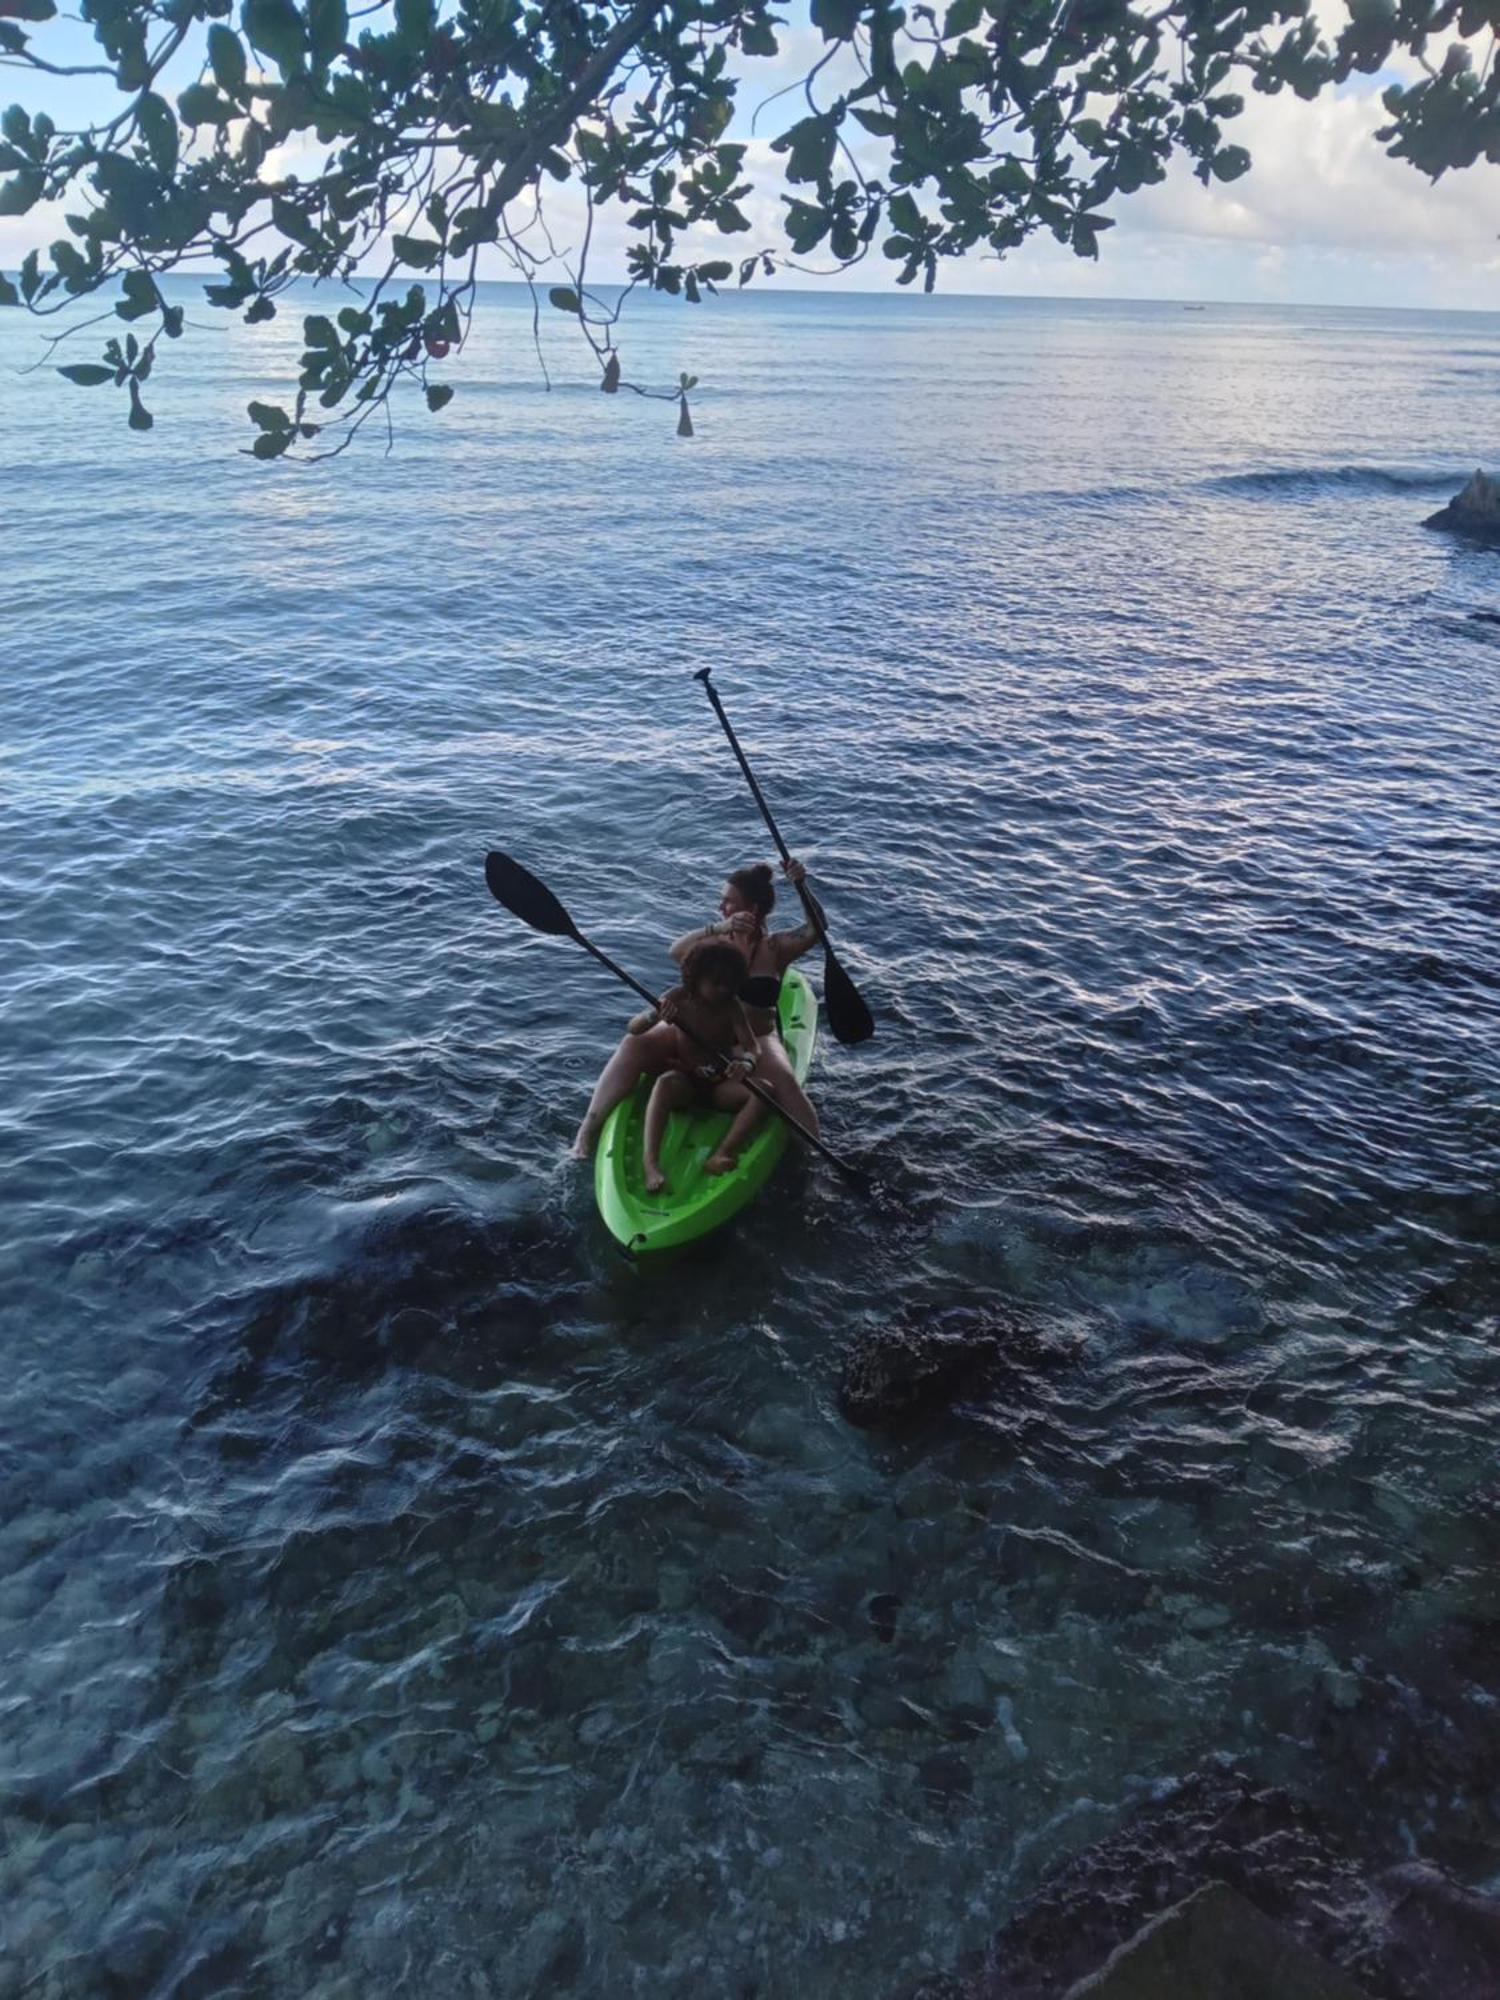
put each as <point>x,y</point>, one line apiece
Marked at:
<point>1323,217</point>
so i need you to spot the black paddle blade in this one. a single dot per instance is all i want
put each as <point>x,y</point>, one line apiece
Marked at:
<point>525,897</point>
<point>848,1016</point>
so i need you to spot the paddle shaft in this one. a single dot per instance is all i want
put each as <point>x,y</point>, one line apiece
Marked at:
<point>756,1089</point>
<point>809,902</point>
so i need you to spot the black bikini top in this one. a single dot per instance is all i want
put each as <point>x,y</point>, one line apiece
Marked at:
<point>761,989</point>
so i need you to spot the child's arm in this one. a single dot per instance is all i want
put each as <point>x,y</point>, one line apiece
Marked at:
<point>664,1010</point>
<point>746,1042</point>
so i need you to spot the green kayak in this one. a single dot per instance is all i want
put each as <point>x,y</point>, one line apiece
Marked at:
<point>694,1202</point>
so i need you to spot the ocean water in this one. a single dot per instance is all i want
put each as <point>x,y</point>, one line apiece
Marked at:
<point>398,1592</point>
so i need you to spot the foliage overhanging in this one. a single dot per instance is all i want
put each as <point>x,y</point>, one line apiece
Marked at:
<point>403,140</point>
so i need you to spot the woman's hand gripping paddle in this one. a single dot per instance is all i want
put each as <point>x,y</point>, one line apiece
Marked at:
<point>848,1016</point>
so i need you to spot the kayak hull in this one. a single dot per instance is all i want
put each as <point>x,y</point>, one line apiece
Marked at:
<point>694,1203</point>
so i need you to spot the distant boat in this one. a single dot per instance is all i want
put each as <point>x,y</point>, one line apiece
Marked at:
<point>1195,309</point>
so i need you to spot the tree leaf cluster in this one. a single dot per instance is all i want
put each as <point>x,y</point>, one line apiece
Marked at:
<point>436,129</point>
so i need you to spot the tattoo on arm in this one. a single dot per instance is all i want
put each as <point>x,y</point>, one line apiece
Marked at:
<point>678,950</point>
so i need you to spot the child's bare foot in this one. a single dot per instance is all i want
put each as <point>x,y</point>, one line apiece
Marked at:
<point>656,1180</point>
<point>720,1163</point>
<point>582,1147</point>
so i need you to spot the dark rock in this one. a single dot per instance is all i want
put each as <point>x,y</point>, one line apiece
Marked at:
<point>945,1777</point>
<point>1215,1946</point>
<point>1216,1827</point>
<point>1473,511</point>
<point>1409,1934</point>
<point>883,1609</point>
<point>899,1374</point>
<point>135,1948</point>
<point>1443,1939</point>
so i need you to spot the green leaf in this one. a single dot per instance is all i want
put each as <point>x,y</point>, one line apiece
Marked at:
<point>271,444</point>
<point>130,190</point>
<point>88,374</point>
<point>565,299</point>
<point>277,29</point>
<point>1230,162</point>
<point>809,147</point>
<point>159,130</point>
<point>320,332</point>
<point>141,296</point>
<point>21,193</point>
<point>439,395</point>
<point>836,18</point>
<point>415,21</point>
<point>611,383</point>
<point>418,251</point>
<point>201,104</point>
<point>226,55</point>
<point>9,296</point>
<point>963,17</point>
<point>133,70</point>
<point>140,418</point>
<point>328,28</point>
<point>905,215</point>
<point>69,263</point>
<point>269,417</point>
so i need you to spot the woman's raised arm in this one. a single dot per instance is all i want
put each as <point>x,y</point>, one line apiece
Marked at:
<point>680,947</point>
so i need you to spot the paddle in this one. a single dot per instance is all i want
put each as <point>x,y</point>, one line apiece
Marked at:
<point>534,903</point>
<point>848,1016</point>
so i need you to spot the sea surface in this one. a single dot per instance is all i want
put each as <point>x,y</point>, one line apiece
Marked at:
<point>401,1593</point>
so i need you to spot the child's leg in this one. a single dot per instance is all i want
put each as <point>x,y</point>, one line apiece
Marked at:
<point>668,1094</point>
<point>637,1056</point>
<point>749,1112</point>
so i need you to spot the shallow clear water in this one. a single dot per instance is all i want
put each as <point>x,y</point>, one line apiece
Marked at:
<point>397,1591</point>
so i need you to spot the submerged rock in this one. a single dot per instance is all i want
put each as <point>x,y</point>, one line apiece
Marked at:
<point>1215,1946</point>
<point>916,1367</point>
<point>1441,1936</point>
<point>1473,511</point>
<point>1409,1934</point>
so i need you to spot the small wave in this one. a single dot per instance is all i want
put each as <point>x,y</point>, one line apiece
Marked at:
<point>1299,479</point>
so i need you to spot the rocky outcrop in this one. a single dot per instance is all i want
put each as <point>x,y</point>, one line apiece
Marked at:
<point>1473,511</point>
<point>899,1374</point>
<point>1407,1934</point>
<point>1441,1939</point>
<point>1215,1946</point>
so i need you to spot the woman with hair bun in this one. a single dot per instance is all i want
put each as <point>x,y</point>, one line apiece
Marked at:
<point>748,898</point>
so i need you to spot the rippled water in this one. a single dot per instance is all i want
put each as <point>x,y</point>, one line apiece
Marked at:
<point>399,1593</point>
